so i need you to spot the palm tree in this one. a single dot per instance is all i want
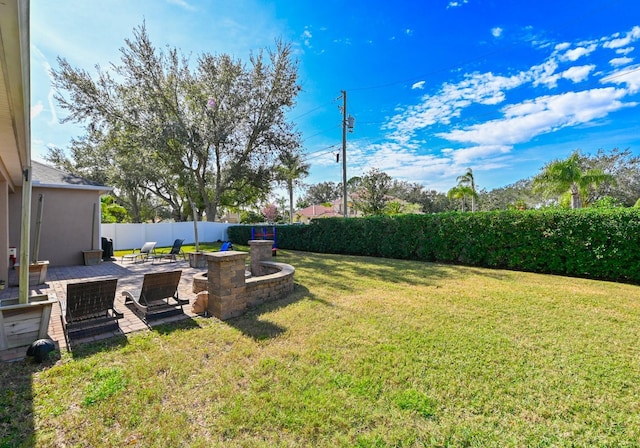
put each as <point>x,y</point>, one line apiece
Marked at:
<point>468,180</point>
<point>461,192</point>
<point>566,176</point>
<point>290,172</point>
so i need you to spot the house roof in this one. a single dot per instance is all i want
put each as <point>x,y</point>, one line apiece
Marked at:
<point>50,177</point>
<point>14,90</point>
<point>316,211</point>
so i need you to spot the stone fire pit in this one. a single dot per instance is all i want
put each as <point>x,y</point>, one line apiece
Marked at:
<point>200,281</point>
<point>231,289</point>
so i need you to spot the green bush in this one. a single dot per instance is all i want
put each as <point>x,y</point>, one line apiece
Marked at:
<point>239,234</point>
<point>593,243</point>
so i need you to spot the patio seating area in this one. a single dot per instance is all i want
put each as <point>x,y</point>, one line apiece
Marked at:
<point>130,276</point>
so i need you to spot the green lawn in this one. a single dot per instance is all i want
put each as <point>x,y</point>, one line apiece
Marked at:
<point>186,248</point>
<point>365,352</point>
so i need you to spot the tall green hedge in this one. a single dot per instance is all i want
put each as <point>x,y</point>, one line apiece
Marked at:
<point>593,243</point>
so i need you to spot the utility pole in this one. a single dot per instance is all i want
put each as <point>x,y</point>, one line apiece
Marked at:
<point>347,124</point>
<point>344,154</point>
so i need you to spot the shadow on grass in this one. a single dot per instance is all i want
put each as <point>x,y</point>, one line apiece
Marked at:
<point>182,324</point>
<point>251,325</point>
<point>83,349</point>
<point>343,271</point>
<point>17,426</point>
<point>80,349</point>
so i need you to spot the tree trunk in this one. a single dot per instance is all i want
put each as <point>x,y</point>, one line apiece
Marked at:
<point>290,188</point>
<point>212,210</point>
<point>576,200</point>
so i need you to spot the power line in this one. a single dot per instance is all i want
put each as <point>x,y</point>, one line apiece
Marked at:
<point>314,109</point>
<point>318,133</point>
<point>321,152</point>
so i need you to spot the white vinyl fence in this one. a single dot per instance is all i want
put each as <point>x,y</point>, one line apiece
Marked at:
<point>131,236</point>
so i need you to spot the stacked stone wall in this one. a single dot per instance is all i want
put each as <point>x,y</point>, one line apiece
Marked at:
<point>278,283</point>
<point>231,293</point>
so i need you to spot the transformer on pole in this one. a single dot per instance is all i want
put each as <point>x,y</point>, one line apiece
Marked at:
<point>347,124</point>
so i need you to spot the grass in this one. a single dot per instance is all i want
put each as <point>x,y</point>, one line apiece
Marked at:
<point>365,352</point>
<point>186,248</point>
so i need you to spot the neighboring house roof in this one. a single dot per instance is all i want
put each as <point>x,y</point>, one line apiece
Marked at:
<point>335,209</point>
<point>50,177</point>
<point>317,211</point>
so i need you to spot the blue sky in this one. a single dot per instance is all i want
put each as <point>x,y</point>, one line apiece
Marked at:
<point>435,86</point>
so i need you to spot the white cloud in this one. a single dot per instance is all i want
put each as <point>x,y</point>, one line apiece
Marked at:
<point>52,106</point>
<point>625,51</point>
<point>479,88</point>
<point>43,63</point>
<point>466,156</point>
<point>496,32</point>
<point>578,74</point>
<point>408,32</point>
<point>546,114</point>
<point>306,37</point>
<point>629,37</point>
<point>182,4</point>
<point>562,46</point>
<point>418,85</point>
<point>436,170</point>
<point>545,73</point>
<point>36,110</point>
<point>629,76</point>
<point>617,62</point>
<point>577,53</point>
<point>457,3</point>
<point>407,163</point>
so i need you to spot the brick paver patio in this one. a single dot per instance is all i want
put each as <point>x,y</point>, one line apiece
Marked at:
<point>129,277</point>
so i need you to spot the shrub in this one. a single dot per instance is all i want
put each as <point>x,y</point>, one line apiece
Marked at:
<point>593,243</point>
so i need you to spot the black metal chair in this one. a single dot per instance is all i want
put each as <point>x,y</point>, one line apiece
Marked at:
<point>147,251</point>
<point>154,300</point>
<point>173,254</point>
<point>89,309</point>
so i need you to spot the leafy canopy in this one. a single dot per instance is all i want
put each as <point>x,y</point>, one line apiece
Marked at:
<point>164,131</point>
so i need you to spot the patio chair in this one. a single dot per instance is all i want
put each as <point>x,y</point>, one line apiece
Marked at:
<point>173,254</point>
<point>89,309</point>
<point>146,252</point>
<point>153,301</point>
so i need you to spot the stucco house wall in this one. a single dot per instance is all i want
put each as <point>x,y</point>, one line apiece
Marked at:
<point>4,226</point>
<point>67,221</point>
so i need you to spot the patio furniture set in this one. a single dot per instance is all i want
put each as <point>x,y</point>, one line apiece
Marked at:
<point>89,308</point>
<point>148,252</point>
